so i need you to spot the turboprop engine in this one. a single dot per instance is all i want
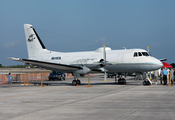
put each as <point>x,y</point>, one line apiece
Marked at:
<point>82,72</point>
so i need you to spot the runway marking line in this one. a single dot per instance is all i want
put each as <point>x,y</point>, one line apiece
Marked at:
<point>38,93</point>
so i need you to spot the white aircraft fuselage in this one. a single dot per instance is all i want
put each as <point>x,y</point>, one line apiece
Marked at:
<point>123,60</point>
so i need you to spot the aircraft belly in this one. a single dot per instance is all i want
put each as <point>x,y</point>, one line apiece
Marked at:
<point>130,68</point>
<point>122,68</point>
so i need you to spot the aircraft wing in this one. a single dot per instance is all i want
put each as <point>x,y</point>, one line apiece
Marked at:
<point>50,66</point>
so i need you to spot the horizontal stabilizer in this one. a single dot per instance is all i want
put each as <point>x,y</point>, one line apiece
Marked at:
<point>15,59</point>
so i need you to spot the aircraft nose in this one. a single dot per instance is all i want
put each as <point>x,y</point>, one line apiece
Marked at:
<point>156,63</point>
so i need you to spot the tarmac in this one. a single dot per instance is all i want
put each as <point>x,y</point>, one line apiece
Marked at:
<point>102,101</point>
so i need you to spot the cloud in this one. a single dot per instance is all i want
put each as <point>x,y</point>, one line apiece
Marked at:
<point>10,44</point>
<point>102,41</point>
<point>156,44</point>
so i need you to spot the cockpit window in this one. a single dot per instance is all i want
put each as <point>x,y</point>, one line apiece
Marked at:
<point>145,54</point>
<point>135,54</point>
<point>140,54</point>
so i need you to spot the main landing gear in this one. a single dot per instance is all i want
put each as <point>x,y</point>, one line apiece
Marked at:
<point>76,81</point>
<point>120,80</point>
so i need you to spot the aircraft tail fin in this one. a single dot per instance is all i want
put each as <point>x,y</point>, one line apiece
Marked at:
<point>34,44</point>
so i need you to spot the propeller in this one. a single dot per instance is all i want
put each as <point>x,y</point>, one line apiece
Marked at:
<point>104,55</point>
<point>105,62</point>
<point>102,63</point>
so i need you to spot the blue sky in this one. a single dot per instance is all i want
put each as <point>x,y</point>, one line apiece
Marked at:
<point>83,25</point>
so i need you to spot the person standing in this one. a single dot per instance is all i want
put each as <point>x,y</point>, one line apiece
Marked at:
<point>10,79</point>
<point>161,76</point>
<point>168,75</point>
<point>156,75</point>
<point>172,75</point>
<point>165,72</point>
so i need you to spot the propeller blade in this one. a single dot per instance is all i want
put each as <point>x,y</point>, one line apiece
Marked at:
<point>105,76</point>
<point>104,55</point>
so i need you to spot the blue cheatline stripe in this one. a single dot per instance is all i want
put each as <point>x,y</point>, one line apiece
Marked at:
<point>138,63</point>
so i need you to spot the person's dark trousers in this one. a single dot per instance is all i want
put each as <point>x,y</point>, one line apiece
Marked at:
<point>165,79</point>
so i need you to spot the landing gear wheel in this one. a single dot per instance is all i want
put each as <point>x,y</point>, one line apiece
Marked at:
<point>146,83</point>
<point>78,82</point>
<point>121,81</point>
<point>74,82</point>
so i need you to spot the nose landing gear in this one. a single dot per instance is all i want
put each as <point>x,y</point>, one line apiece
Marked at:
<point>147,80</point>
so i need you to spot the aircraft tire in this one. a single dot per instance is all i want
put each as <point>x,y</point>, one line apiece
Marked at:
<point>74,82</point>
<point>78,82</point>
<point>144,83</point>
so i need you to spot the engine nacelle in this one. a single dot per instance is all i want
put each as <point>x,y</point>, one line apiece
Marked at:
<point>83,71</point>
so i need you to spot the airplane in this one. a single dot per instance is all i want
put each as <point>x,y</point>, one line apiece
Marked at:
<point>102,60</point>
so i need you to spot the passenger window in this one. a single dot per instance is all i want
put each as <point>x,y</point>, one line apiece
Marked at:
<point>135,54</point>
<point>140,54</point>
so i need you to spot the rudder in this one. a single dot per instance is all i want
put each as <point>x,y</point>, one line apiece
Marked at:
<point>34,44</point>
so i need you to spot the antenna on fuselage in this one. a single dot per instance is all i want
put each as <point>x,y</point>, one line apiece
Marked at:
<point>148,49</point>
